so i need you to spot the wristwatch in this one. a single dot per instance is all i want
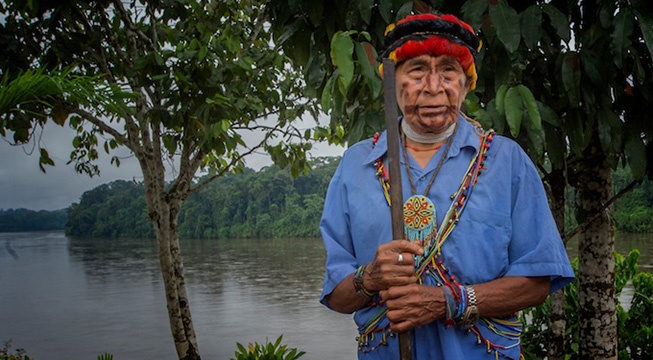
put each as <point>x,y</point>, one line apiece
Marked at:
<point>470,316</point>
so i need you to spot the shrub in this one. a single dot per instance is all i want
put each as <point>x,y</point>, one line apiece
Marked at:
<point>268,351</point>
<point>635,326</point>
<point>7,354</point>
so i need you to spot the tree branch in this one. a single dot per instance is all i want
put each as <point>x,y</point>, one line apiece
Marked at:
<point>127,21</point>
<point>103,126</point>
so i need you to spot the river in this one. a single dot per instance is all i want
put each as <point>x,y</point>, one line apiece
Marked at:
<point>65,298</point>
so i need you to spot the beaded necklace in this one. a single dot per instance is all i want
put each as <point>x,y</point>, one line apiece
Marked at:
<point>413,189</point>
<point>419,219</point>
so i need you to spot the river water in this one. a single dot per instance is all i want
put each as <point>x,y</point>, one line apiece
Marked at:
<point>64,298</point>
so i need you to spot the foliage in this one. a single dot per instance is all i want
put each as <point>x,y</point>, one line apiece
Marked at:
<point>635,326</point>
<point>105,356</point>
<point>536,84</point>
<point>634,211</point>
<point>30,98</point>
<point>172,65</point>
<point>7,354</point>
<point>116,209</point>
<point>198,85</point>
<point>267,351</point>
<point>13,220</point>
<point>636,339</point>
<point>235,206</point>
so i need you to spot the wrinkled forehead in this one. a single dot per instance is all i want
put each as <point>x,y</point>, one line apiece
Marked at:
<point>432,60</point>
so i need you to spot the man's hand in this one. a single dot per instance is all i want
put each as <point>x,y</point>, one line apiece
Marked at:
<point>386,270</point>
<point>413,305</point>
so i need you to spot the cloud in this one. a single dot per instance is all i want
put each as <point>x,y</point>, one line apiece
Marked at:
<point>23,185</point>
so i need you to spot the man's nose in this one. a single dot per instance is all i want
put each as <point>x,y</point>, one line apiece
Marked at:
<point>433,82</point>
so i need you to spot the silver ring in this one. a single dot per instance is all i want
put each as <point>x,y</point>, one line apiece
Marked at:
<point>400,259</point>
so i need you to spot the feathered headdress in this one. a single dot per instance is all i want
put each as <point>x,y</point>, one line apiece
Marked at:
<point>434,34</point>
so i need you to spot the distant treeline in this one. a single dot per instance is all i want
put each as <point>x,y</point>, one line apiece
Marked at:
<point>633,213</point>
<point>267,203</point>
<point>15,220</point>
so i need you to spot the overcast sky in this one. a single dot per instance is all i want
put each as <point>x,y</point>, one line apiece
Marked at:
<point>23,185</point>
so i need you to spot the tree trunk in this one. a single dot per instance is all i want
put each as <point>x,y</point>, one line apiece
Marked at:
<point>163,209</point>
<point>557,323</point>
<point>596,268</point>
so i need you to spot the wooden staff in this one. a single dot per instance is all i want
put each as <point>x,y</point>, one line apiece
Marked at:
<point>394,170</point>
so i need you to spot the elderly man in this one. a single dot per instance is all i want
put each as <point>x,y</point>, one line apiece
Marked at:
<point>481,242</point>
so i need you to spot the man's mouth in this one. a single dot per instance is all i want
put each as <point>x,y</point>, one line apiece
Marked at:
<point>432,110</point>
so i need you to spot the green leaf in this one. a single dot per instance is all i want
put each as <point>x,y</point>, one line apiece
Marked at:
<point>636,154</point>
<point>610,130</point>
<point>365,8</point>
<point>548,115</point>
<point>531,26</point>
<point>385,10</point>
<point>531,106</point>
<point>342,49</point>
<point>315,71</point>
<point>571,78</point>
<point>327,93</point>
<point>405,9</point>
<point>536,140</point>
<point>473,11</point>
<point>514,110</point>
<point>494,117</point>
<point>558,21</point>
<point>624,24</point>
<point>500,97</point>
<point>355,134</point>
<point>367,69</point>
<point>575,132</point>
<point>506,20</point>
<point>201,54</point>
<point>646,25</point>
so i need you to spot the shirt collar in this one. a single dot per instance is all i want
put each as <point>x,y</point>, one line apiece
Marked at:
<point>466,136</point>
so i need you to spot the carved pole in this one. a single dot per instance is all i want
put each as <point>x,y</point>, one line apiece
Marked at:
<point>394,169</point>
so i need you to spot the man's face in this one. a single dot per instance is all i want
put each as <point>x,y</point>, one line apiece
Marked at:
<point>430,90</point>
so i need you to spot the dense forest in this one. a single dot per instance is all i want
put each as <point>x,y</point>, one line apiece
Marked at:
<point>267,203</point>
<point>634,211</point>
<point>14,220</point>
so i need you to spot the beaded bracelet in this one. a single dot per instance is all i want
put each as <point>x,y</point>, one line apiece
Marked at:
<point>462,304</point>
<point>450,306</point>
<point>358,283</point>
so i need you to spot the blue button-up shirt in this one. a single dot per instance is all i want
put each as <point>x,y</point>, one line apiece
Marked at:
<point>506,229</point>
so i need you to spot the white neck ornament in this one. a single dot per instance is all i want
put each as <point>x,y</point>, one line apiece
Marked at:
<point>428,138</point>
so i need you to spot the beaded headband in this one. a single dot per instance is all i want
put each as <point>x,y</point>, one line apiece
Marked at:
<point>432,34</point>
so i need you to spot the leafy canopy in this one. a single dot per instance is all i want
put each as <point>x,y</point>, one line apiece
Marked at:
<point>171,78</point>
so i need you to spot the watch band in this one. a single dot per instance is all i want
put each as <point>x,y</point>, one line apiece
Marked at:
<point>471,295</point>
<point>470,316</point>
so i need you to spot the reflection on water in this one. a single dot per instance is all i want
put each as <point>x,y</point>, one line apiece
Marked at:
<point>78,298</point>
<point>67,298</point>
